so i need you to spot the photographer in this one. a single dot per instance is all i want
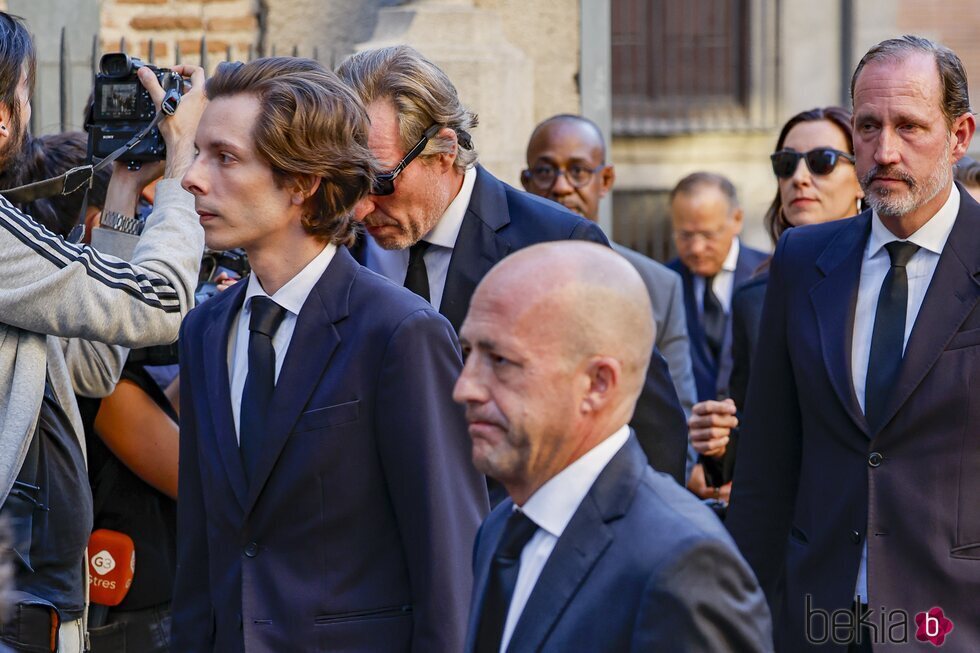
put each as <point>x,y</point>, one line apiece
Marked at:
<point>50,290</point>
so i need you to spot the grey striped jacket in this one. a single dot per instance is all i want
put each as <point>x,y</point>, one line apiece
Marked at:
<point>59,301</point>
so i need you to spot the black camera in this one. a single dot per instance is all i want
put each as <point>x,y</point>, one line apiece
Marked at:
<point>232,262</point>
<point>122,108</point>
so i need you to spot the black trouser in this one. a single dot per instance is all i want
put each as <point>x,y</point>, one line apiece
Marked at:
<point>133,631</point>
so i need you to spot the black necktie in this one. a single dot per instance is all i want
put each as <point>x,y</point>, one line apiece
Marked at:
<point>888,337</point>
<point>416,278</point>
<point>501,581</point>
<point>261,380</point>
<point>713,319</point>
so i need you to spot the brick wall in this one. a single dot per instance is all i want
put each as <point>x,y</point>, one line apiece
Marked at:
<point>181,23</point>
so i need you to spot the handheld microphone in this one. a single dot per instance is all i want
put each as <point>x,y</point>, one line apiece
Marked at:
<point>111,566</point>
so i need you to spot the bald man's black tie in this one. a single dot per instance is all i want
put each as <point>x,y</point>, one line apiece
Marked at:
<point>504,568</point>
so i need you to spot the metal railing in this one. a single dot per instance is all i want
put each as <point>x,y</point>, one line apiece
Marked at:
<point>67,102</point>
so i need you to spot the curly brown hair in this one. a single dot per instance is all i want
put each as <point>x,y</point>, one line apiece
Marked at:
<point>310,125</point>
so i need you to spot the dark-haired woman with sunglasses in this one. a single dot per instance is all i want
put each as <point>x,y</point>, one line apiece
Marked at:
<point>816,182</point>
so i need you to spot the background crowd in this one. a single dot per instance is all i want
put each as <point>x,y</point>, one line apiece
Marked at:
<point>419,409</point>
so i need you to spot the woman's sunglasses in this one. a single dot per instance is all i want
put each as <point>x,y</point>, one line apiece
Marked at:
<point>384,184</point>
<point>820,161</point>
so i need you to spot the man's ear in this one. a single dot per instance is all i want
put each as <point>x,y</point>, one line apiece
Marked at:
<point>605,375</point>
<point>963,129</point>
<point>6,130</point>
<point>446,160</point>
<point>526,179</point>
<point>303,187</point>
<point>607,177</point>
<point>737,216</point>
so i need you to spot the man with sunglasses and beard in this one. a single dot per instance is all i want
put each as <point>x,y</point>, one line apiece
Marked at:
<point>856,482</point>
<point>438,221</point>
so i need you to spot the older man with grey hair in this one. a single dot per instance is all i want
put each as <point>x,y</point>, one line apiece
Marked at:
<point>439,223</point>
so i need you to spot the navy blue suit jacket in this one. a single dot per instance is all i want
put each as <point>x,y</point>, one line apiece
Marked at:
<point>501,219</point>
<point>813,482</point>
<point>711,376</point>
<point>356,531</point>
<point>642,566</point>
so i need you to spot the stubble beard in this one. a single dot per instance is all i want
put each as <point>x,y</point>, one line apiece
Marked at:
<point>12,157</point>
<point>890,204</point>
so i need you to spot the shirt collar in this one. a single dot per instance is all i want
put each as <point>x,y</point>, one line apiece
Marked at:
<point>445,232</point>
<point>551,507</point>
<point>293,294</point>
<point>931,236</point>
<point>732,259</point>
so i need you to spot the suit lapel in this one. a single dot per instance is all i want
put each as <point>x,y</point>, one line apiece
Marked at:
<point>218,386</point>
<point>312,344</point>
<point>477,248</point>
<point>580,547</point>
<point>834,299</point>
<point>952,294</point>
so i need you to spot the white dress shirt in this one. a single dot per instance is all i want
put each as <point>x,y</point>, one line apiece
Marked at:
<point>724,282</point>
<point>551,508</point>
<point>393,263</point>
<point>931,238</point>
<point>291,297</point>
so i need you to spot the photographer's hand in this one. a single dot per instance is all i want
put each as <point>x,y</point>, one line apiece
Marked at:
<point>179,129</point>
<point>125,186</point>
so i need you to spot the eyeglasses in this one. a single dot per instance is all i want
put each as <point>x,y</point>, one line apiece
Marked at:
<point>544,176</point>
<point>820,161</point>
<point>708,236</point>
<point>384,184</point>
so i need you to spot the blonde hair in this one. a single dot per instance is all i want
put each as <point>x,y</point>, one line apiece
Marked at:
<point>422,95</point>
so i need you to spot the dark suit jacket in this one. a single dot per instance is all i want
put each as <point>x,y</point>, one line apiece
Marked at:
<point>355,534</point>
<point>642,566</point>
<point>813,481</point>
<point>500,220</point>
<point>712,376</point>
<point>747,305</point>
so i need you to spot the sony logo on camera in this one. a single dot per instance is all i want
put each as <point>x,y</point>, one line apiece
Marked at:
<point>122,108</point>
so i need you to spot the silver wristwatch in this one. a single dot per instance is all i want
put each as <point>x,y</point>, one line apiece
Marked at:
<point>119,222</point>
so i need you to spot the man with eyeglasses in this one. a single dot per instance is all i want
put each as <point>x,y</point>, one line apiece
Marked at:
<point>566,163</point>
<point>439,221</point>
<point>712,263</point>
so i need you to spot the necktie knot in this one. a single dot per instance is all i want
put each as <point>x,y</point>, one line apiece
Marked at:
<point>517,533</point>
<point>900,252</point>
<point>266,316</point>
<point>417,251</point>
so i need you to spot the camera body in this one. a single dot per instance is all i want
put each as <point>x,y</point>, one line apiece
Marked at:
<point>122,108</point>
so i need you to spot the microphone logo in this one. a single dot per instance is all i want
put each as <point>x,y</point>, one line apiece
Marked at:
<point>103,562</point>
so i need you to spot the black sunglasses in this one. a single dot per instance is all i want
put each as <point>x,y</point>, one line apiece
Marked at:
<point>820,161</point>
<point>384,184</point>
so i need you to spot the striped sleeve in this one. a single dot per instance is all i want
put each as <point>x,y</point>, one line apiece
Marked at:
<point>154,291</point>
<point>56,288</point>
